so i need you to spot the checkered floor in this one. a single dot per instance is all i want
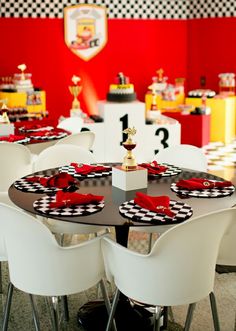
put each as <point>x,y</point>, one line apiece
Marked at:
<point>220,155</point>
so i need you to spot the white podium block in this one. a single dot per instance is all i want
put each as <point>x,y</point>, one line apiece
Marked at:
<point>129,180</point>
<point>6,129</point>
<point>118,117</point>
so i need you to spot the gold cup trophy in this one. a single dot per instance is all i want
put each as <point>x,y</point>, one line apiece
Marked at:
<point>129,162</point>
<point>75,90</point>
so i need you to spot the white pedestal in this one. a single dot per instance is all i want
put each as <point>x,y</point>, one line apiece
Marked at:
<point>6,129</point>
<point>129,180</point>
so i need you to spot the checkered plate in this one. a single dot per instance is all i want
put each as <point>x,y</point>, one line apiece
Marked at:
<point>71,171</point>
<point>24,129</point>
<point>171,171</point>
<point>51,136</point>
<point>42,205</point>
<point>206,193</point>
<point>25,186</point>
<point>136,213</point>
<point>20,141</point>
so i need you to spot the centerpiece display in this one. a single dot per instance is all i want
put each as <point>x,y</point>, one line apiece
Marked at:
<point>129,176</point>
<point>121,90</point>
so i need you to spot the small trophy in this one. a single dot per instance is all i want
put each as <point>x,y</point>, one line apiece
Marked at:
<point>75,90</point>
<point>129,162</point>
<point>22,67</point>
<point>5,118</point>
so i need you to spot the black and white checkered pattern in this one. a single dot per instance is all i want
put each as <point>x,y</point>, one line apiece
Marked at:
<point>20,141</point>
<point>71,171</point>
<point>42,205</point>
<point>129,9</point>
<point>25,186</point>
<point>171,171</point>
<point>134,212</point>
<point>56,135</point>
<point>24,129</point>
<point>206,193</point>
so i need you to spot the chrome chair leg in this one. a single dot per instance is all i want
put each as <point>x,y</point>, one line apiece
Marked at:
<point>189,317</point>
<point>214,312</point>
<point>107,301</point>
<point>7,307</point>
<point>55,313</point>
<point>150,237</point>
<point>35,313</point>
<point>65,308</point>
<point>113,310</point>
<point>157,315</point>
<point>1,292</point>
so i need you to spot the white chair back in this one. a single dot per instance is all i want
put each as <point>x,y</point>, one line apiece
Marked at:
<point>72,124</point>
<point>59,155</point>
<point>38,265</point>
<point>83,139</point>
<point>15,163</point>
<point>185,156</point>
<point>180,268</point>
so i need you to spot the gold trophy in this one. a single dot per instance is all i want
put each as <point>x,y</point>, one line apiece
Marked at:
<point>22,67</point>
<point>129,162</point>
<point>75,90</point>
<point>5,117</point>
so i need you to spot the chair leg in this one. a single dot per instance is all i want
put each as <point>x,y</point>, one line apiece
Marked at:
<point>55,313</point>
<point>107,301</point>
<point>1,292</point>
<point>214,312</point>
<point>35,313</point>
<point>65,308</point>
<point>7,307</point>
<point>189,317</point>
<point>157,315</point>
<point>149,242</point>
<point>113,309</point>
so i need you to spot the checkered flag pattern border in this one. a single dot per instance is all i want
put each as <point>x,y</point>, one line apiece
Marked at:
<point>128,9</point>
<point>42,205</point>
<point>206,193</point>
<point>134,212</point>
<point>71,171</point>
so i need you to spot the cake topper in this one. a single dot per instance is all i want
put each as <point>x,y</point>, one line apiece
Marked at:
<point>160,75</point>
<point>129,162</point>
<point>22,67</point>
<point>75,90</point>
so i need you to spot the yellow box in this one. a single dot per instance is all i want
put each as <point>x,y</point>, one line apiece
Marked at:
<point>162,104</point>
<point>222,127</point>
<point>19,99</point>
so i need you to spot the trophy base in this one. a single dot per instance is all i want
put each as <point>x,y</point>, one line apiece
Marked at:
<point>129,180</point>
<point>128,168</point>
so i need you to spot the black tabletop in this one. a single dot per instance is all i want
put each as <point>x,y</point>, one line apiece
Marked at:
<point>109,215</point>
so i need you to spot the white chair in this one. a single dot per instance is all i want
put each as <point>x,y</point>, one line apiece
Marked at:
<point>83,139</point>
<point>15,163</point>
<point>59,155</point>
<point>72,124</point>
<point>179,270</point>
<point>185,156</point>
<point>39,266</point>
<point>227,250</point>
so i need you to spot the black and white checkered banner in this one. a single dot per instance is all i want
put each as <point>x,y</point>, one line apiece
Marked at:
<point>42,205</point>
<point>136,213</point>
<point>129,9</point>
<point>206,193</point>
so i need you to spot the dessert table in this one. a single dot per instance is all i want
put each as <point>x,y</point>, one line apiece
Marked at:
<point>110,215</point>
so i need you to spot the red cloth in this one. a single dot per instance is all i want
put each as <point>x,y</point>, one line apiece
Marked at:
<point>201,184</point>
<point>85,169</point>
<point>62,180</point>
<point>44,133</point>
<point>12,138</point>
<point>153,167</point>
<point>159,204</point>
<point>68,199</point>
<point>30,126</point>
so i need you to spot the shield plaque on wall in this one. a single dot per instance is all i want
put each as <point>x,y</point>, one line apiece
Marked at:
<point>85,29</point>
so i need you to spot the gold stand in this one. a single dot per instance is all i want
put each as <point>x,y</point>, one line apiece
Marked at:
<point>129,162</point>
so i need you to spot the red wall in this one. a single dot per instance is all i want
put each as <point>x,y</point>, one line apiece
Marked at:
<point>136,47</point>
<point>211,50</point>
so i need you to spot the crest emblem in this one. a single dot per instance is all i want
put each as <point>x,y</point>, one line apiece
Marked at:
<point>85,30</point>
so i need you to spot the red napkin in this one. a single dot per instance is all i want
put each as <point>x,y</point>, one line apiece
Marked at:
<point>85,169</point>
<point>12,138</point>
<point>62,180</point>
<point>201,184</point>
<point>44,133</point>
<point>159,204</point>
<point>153,167</point>
<point>30,126</point>
<point>67,199</point>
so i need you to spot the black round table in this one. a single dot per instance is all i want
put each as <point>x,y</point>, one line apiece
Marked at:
<point>110,216</point>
